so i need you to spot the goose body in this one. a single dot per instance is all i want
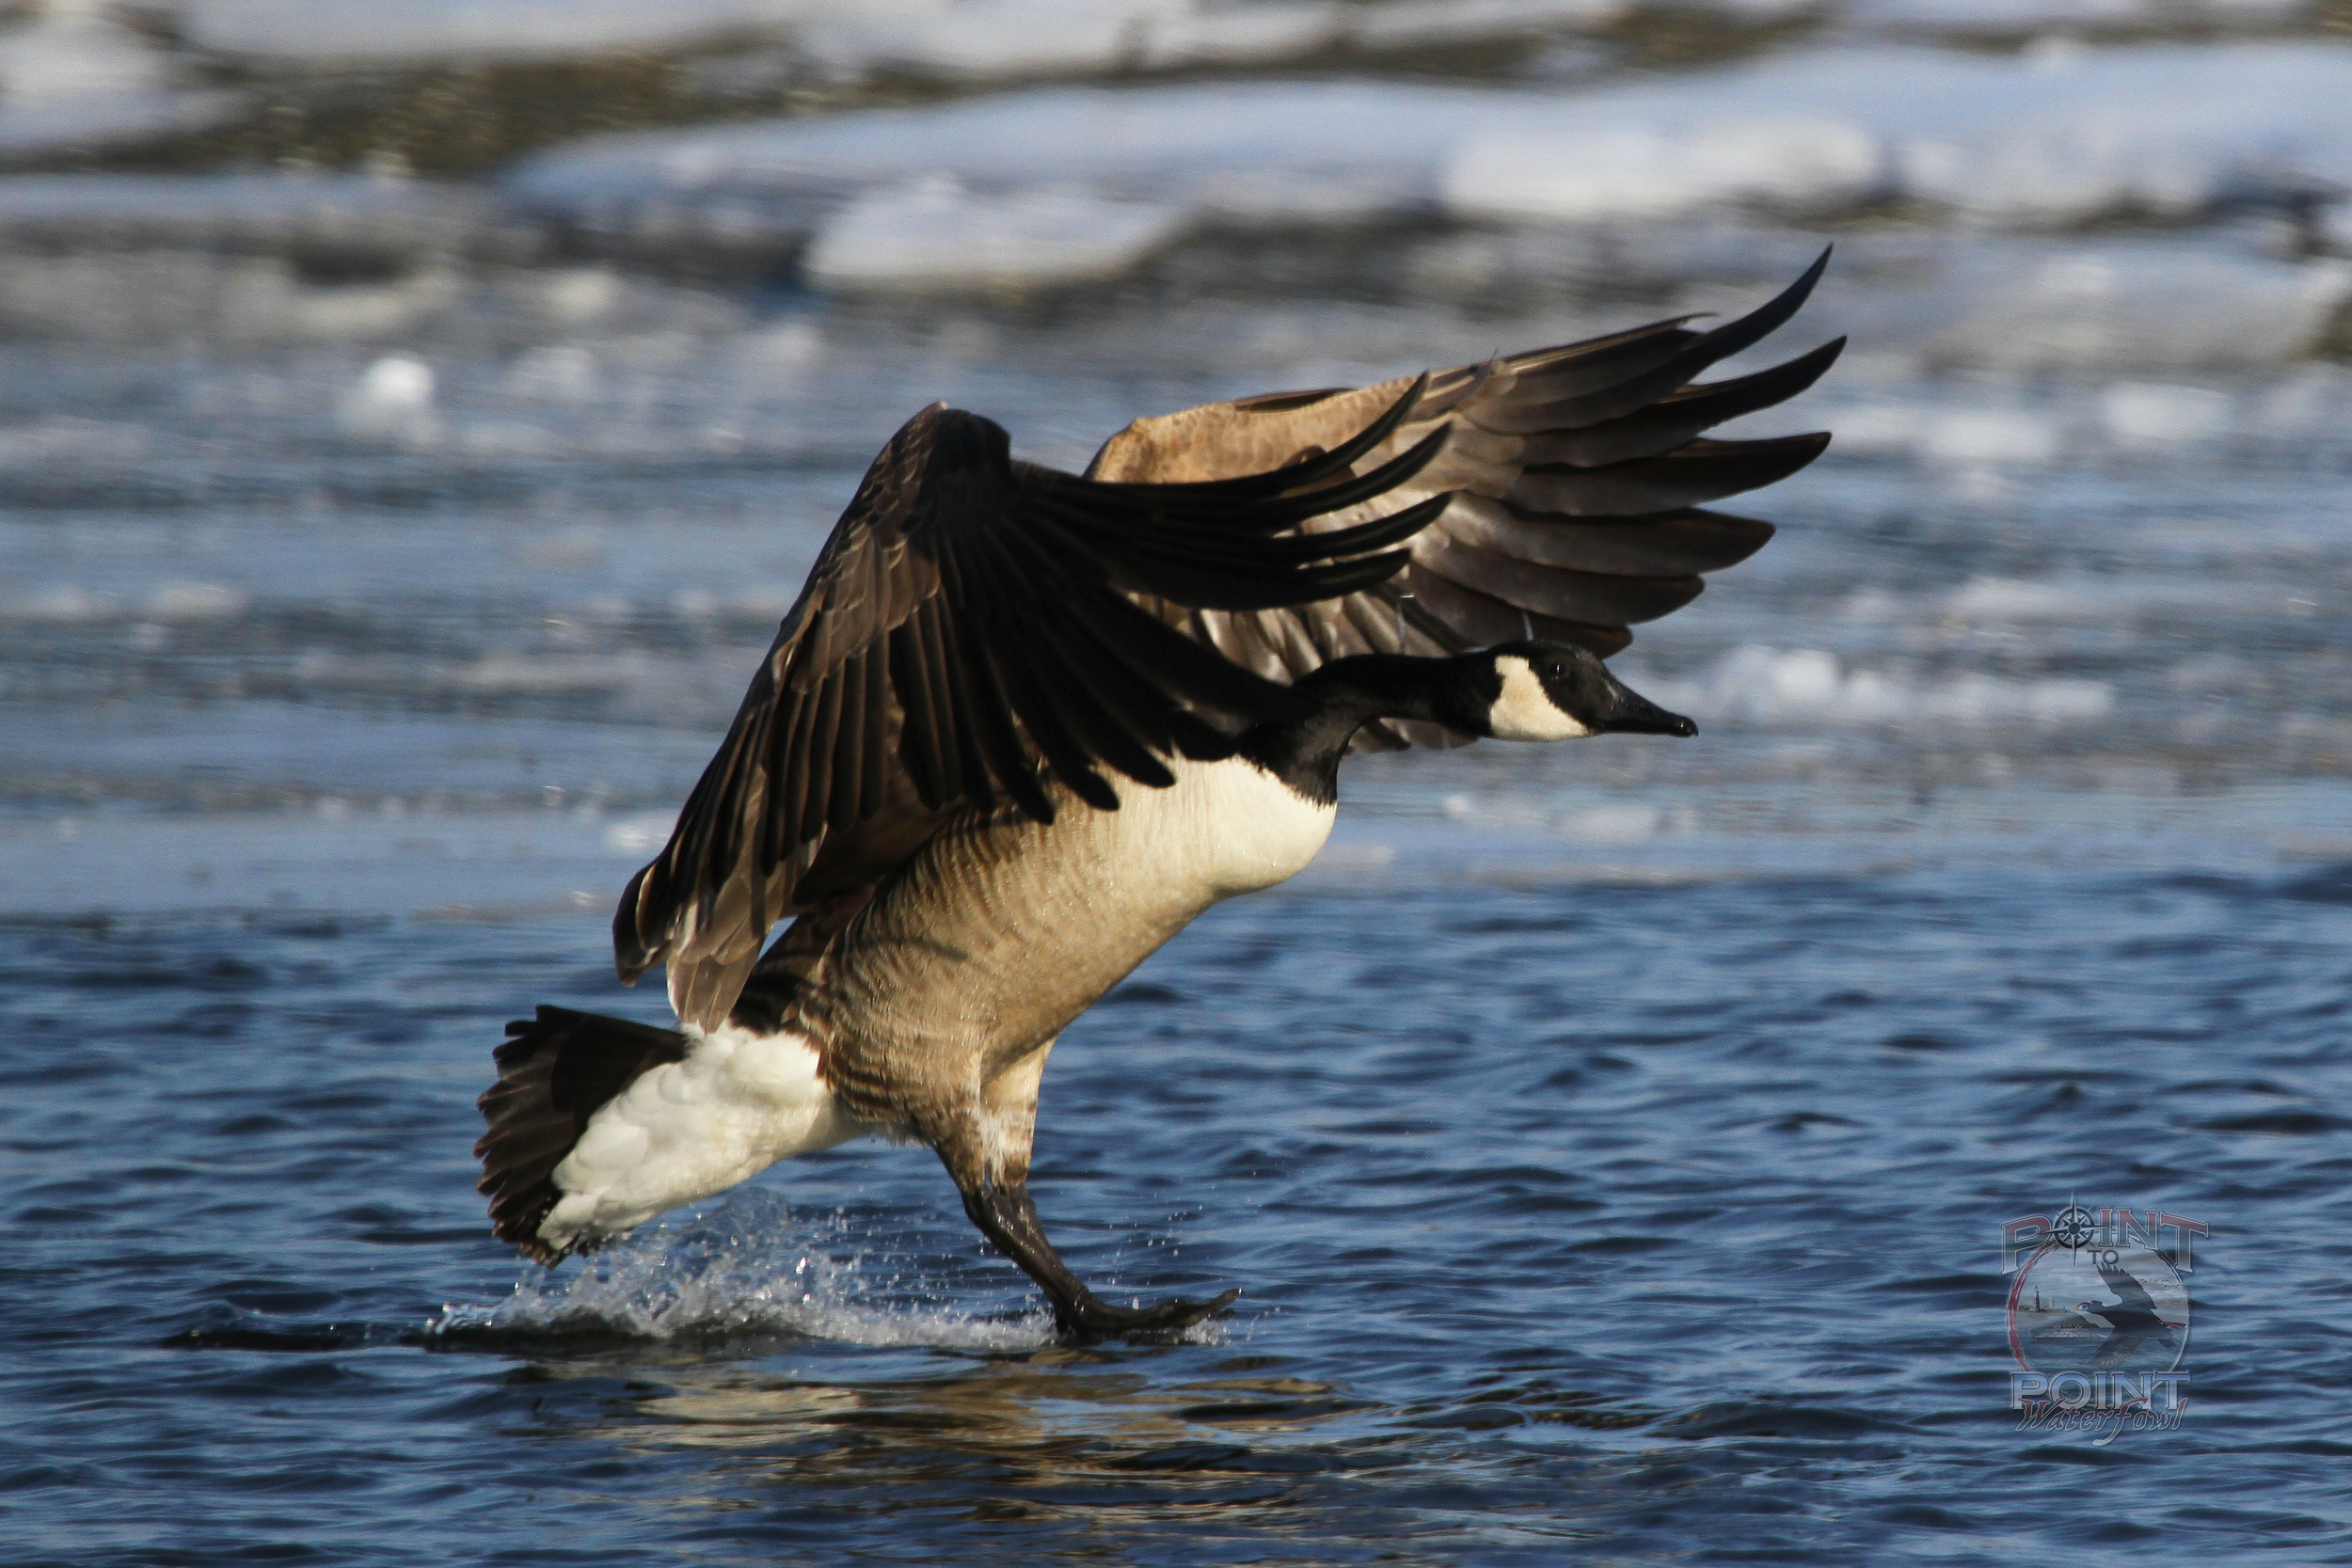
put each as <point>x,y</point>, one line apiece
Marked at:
<point>1024,727</point>
<point>995,938</point>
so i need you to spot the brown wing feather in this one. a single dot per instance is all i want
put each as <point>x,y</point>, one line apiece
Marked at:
<point>1576,477</point>
<point>971,634</point>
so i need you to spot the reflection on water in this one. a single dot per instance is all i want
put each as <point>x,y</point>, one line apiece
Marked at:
<point>1092,1440</point>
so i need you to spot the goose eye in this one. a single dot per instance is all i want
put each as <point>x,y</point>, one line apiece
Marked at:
<point>1556,670</point>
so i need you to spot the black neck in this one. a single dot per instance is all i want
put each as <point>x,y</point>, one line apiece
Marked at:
<point>1348,693</point>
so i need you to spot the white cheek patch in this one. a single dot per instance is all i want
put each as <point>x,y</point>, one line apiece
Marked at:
<point>1525,711</point>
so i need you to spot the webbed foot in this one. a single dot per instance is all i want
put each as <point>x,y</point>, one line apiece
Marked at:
<point>1090,1320</point>
<point>1007,1217</point>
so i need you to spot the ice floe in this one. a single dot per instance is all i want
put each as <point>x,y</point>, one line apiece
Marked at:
<point>2158,414</point>
<point>1409,24</point>
<point>178,296</point>
<point>1786,160</point>
<point>74,75</point>
<point>1783,685</point>
<point>1166,141</point>
<point>1961,437</point>
<point>2150,132</point>
<point>391,400</point>
<point>984,39</point>
<point>931,234</point>
<point>2012,18</point>
<point>2120,305</point>
<point>952,40</point>
<point>72,49</point>
<point>971,41</point>
<point>978,41</point>
<point>2032,141</point>
<point>307,32</point>
<point>258,213</point>
<point>1980,175</point>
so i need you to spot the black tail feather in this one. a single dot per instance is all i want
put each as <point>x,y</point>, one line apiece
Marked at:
<point>555,1070</point>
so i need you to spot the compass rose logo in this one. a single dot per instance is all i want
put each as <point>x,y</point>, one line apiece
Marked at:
<point>2073,1226</point>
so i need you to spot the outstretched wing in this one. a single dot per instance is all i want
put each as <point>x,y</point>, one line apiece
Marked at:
<point>2128,1291</point>
<point>972,631</point>
<point>1577,477</point>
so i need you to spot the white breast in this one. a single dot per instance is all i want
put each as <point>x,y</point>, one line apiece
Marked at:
<point>1223,829</point>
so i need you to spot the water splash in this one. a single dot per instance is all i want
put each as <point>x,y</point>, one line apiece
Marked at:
<point>742,1273</point>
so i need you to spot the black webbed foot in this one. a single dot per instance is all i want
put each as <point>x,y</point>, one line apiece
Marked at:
<point>1090,1320</point>
<point>1007,1218</point>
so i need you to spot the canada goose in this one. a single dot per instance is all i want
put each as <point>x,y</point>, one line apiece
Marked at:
<point>1022,726</point>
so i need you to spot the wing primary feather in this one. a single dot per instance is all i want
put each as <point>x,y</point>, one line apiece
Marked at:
<point>1118,717</point>
<point>1048,721</point>
<point>943,646</point>
<point>1689,475</point>
<point>872,732</point>
<point>849,746</point>
<point>1119,725</point>
<point>1005,751</point>
<point>1128,720</point>
<point>1745,394</point>
<point>1541,409</point>
<point>1010,656</point>
<point>942,651</point>
<point>919,745</point>
<point>1109,653</point>
<point>1290,510</point>
<point>1394,529</point>
<point>999,574</point>
<point>1588,597</point>
<point>1185,667</point>
<point>1595,362</point>
<point>1422,620</point>
<point>1769,317</point>
<point>988,705</point>
<point>631,954</point>
<point>1378,620</point>
<point>786,818</point>
<point>1213,590</point>
<point>1680,416</point>
<point>1587,367</point>
<point>816,773</point>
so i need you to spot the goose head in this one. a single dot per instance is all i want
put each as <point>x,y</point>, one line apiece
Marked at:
<point>1559,691</point>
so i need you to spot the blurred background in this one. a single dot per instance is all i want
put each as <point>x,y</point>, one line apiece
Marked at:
<point>415,416</point>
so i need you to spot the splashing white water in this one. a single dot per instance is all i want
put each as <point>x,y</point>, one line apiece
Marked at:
<point>743,1269</point>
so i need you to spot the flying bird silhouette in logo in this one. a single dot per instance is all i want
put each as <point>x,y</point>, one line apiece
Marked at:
<point>2132,1319</point>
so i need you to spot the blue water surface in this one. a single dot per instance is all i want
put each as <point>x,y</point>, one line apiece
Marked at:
<point>1589,1221</point>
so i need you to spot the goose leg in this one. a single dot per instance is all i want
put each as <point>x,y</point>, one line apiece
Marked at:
<point>984,1143</point>
<point>1007,1217</point>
